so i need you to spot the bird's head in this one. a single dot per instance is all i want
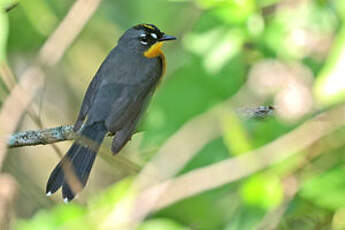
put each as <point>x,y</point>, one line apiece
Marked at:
<point>146,39</point>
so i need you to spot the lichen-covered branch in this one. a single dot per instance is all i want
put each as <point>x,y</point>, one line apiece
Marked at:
<point>41,137</point>
<point>63,133</point>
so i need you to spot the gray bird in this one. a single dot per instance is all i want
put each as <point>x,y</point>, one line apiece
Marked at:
<point>114,101</point>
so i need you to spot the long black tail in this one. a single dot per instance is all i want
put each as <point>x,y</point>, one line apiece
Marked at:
<point>74,169</point>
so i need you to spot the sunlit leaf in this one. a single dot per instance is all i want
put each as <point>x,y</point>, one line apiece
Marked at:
<point>263,190</point>
<point>235,12</point>
<point>235,137</point>
<point>217,47</point>
<point>47,19</point>
<point>210,3</point>
<point>291,33</point>
<point>61,215</point>
<point>330,85</point>
<point>266,3</point>
<point>339,6</point>
<point>3,29</point>
<point>6,3</point>
<point>161,224</point>
<point>338,222</point>
<point>112,195</point>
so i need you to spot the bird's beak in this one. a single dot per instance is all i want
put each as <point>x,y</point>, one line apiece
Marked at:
<point>167,38</point>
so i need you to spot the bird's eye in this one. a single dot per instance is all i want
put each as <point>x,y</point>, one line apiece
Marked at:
<point>143,39</point>
<point>154,36</point>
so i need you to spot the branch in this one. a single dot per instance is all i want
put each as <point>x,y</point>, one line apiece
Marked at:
<point>154,192</point>
<point>63,133</point>
<point>215,175</point>
<point>32,79</point>
<point>41,137</point>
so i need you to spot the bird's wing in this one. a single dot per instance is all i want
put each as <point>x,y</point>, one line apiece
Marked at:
<point>128,110</point>
<point>116,103</point>
<point>106,67</point>
<point>108,95</point>
<point>88,100</point>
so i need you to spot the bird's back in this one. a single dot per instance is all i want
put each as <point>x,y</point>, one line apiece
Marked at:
<point>125,78</point>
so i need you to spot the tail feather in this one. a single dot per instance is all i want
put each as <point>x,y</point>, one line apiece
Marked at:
<point>84,162</point>
<point>79,160</point>
<point>56,178</point>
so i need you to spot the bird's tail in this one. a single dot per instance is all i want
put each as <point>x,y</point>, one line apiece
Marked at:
<point>73,170</point>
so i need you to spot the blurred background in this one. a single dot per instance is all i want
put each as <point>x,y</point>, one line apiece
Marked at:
<point>287,169</point>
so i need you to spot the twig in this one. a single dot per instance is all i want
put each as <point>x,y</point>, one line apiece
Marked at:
<point>171,191</point>
<point>11,7</point>
<point>63,133</point>
<point>8,189</point>
<point>37,137</point>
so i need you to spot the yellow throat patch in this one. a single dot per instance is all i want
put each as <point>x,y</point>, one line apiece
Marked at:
<point>154,50</point>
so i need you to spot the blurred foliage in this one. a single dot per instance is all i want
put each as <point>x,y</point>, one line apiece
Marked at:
<point>220,42</point>
<point>3,28</point>
<point>330,183</point>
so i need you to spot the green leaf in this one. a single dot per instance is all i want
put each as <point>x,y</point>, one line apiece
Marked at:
<point>161,224</point>
<point>236,12</point>
<point>108,199</point>
<point>3,32</point>
<point>245,218</point>
<point>339,6</point>
<point>263,190</point>
<point>60,216</point>
<point>235,136</point>
<point>330,85</point>
<point>73,216</point>
<point>326,190</point>
<point>5,3</point>
<point>33,8</point>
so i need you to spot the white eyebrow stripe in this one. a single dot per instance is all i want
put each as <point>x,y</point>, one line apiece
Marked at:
<point>154,35</point>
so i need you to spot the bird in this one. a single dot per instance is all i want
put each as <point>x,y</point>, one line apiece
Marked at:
<point>113,103</point>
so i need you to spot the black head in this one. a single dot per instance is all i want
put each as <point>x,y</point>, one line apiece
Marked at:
<point>142,37</point>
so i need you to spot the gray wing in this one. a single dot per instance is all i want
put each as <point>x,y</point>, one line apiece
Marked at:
<point>91,92</point>
<point>108,96</point>
<point>129,109</point>
<point>87,101</point>
<point>116,104</point>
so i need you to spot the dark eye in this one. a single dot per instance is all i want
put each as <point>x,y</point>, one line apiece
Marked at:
<point>143,39</point>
